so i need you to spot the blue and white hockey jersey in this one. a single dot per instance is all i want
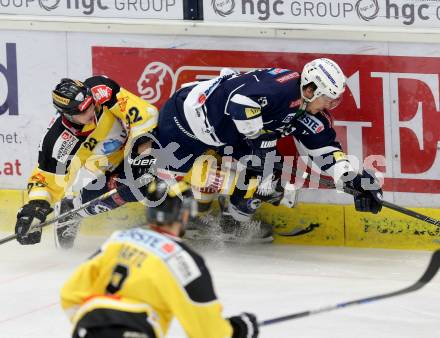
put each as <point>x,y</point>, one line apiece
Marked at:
<point>232,107</point>
<point>229,108</point>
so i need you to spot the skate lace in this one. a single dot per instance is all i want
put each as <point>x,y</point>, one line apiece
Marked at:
<point>71,228</point>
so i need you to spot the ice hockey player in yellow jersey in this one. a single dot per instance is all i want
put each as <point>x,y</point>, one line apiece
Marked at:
<point>98,124</point>
<point>143,277</point>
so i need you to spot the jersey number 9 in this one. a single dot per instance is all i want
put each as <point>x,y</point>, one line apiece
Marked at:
<point>117,279</point>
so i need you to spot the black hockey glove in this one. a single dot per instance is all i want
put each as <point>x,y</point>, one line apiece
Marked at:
<point>244,326</point>
<point>141,164</point>
<point>31,214</point>
<point>262,145</point>
<point>139,170</point>
<point>370,194</point>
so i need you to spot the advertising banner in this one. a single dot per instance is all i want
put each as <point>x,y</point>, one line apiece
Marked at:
<point>29,67</point>
<point>126,9</point>
<point>395,13</point>
<point>388,118</point>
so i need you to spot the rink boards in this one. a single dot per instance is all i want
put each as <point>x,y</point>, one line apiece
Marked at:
<point>306,224</point>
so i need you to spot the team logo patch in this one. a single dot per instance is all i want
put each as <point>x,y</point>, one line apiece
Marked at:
<point>101,93</point>
<point>122,101</point>
<point>252,112</point>
<point>288,77</point>
<point>63,146</point>
<point>184,267</point>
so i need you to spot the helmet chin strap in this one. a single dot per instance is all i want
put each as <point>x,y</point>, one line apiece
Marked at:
<point>303,108</point>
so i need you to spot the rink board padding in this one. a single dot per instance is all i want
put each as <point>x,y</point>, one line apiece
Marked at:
<point>10,202</point>
<point>305,224</point>
<point>391,229</point>
<point>326,224</point>
<point>129,215</point>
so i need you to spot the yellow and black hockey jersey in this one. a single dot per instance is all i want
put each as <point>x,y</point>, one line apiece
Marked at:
<point>121,117</point>
<point>141,279</point>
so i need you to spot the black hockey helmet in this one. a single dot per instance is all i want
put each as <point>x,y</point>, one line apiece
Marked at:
<point>167,204</point>
<point>71,97</point>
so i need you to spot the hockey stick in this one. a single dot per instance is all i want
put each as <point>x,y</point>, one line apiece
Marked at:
<point>328,183</point>
<point>429,274</point>
<point>69,213</point>
<point>72,212</point>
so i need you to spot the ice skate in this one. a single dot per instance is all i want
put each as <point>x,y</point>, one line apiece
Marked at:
<point>66,229</point>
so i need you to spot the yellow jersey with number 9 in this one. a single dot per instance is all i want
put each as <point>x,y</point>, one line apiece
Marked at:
<point>139,271</point>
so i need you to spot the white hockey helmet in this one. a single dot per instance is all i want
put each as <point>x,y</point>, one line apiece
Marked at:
<point>328,78</point>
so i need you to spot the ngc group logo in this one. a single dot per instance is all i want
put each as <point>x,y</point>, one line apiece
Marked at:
<point>49,5</point>
<point>367,9</point>
<point>223,7</point>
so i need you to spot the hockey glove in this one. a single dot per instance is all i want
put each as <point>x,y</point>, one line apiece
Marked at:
<point>370,194</point>
<point>244,326</point>
<point>141,164</point>
<point>28,217</point>
<point>261,146</point>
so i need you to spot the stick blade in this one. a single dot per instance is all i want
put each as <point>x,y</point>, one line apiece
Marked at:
<point>431,270</point>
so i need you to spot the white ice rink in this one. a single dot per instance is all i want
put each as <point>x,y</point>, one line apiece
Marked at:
<point>269,280</point>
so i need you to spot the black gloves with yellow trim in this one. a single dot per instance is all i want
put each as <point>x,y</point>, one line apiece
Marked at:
<point>28,218</point>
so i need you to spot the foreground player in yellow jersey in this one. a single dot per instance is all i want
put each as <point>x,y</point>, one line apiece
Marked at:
<point>98,124</point>
<point>141,278</point>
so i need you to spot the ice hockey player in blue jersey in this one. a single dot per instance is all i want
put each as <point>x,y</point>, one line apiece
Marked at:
<point>245,114</point>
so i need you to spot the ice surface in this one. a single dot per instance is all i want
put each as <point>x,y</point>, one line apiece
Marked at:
<point>269,280</point>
